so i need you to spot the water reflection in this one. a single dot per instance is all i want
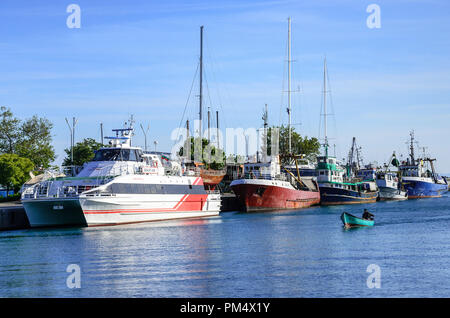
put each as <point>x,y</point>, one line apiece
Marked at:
<point>302,253</point>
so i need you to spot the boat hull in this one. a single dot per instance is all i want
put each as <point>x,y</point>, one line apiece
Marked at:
<point>268,195</point>
<point>335,196</point>
<point>126,199</point>
<point>211,178</point>
<point>147,208</point>
<point>51,212</point>
<point>387,193</point>
<point>95,211</point>
<point>353,221</point>
<point>423,188</point>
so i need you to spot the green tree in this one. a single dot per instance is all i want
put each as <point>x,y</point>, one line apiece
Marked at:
<point>82,152</point>
<point>14,171</point>
<point>309,147</point>
<point>9,130</point>
<point>35,142</point>
<point>210,156</point>
<point>29,139</point>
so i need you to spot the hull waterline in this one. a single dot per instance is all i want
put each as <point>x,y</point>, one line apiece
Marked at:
<point>337,196</point>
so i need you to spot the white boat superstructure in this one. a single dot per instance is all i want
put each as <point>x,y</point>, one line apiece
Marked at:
<point>390,187</point>
<point>120,185</point>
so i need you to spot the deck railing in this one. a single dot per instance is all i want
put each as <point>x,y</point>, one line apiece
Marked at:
<point>280,177</point>
<point>45,189</point>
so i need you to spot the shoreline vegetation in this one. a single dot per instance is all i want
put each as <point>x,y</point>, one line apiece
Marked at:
<point>25,147</point>
<point>11,198</point>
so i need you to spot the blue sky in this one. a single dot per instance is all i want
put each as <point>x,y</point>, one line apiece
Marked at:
<point>140,57</point>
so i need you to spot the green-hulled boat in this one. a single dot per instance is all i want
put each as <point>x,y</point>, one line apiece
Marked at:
<point>353,221</point>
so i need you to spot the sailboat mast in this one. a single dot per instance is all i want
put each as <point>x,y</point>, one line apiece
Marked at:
<point>201,83</point>
<point>325,104</point>
<point>289,83</point>
<point>187,129</point>
<point>411,148</point>
<point>217,128</point>
<point>209,124</point>
<point>265,118</point>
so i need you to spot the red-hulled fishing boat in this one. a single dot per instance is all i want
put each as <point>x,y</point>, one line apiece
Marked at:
<point>265,188</point>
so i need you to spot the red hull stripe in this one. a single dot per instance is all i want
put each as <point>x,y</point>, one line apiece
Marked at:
<point>182,199</point>
<point>186,203</point>
<point>198,181</point>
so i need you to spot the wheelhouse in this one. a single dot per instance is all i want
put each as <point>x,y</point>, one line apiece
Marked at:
<point>118,154</point>
<point>328,170</point>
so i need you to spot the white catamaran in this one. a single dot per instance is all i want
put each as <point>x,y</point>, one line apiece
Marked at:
<point>121,184</point>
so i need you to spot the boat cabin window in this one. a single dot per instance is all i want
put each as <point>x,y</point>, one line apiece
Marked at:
<point>410,171</point>
<point>132,156</point>
<point>116,155</point>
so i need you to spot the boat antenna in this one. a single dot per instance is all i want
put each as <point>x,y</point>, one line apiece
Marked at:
<point>145,135</point>
<point>131,122</point>
<point>101,133</point>
<point>72,136</point>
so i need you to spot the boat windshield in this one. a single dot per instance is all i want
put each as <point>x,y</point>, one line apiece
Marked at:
<point>115,155</point>
<point>410,171</point>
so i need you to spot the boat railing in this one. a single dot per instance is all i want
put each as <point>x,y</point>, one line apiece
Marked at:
<point>41,191</point>
<point>191,172</point>
<point>353,180</point>
<point>71,171</point>
<point>48,189</point>
<point>213,172</point>
<point>250,175</point>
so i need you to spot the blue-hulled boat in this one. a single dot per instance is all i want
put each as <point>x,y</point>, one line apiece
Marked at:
<point>419,177</point>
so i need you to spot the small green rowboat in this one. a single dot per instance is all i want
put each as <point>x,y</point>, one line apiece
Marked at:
<point>353,221</point>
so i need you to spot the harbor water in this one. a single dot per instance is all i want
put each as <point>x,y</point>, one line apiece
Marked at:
<point>305,253</point>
